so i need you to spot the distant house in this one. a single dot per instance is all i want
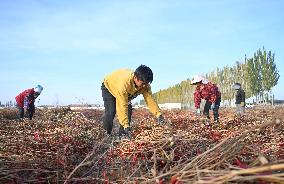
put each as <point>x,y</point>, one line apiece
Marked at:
<point>85,106</point>
<point>169,106</point>
<point>138,106</point>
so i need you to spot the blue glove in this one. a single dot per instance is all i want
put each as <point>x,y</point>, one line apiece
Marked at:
<point>198,112</point>
<point>213,106</point>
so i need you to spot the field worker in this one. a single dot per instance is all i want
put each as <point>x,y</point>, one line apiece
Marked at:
<point>26,99</point>
<point>118,89</point>
<point>240,99</point>
<point>208,91</point>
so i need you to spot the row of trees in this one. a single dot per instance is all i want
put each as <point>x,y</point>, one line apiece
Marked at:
<point>258,75</point>
<point>7,104</point>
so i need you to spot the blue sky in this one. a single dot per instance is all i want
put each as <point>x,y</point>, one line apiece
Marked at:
<point>68,46</point>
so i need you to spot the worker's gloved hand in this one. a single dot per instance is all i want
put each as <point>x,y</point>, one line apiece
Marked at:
<point>198,112</point>
<point>242,104</point>
<point>213,106</point>
<point>128,132</point>
<point>161,120</point>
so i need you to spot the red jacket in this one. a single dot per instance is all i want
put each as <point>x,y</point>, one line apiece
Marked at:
<point>28,96</point>
<point>210,93</point>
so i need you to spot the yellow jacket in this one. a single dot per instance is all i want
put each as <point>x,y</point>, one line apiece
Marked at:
<point>121,85</point>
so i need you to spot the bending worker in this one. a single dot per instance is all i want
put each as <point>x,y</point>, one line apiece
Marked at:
<point>118,89</point>
<point>208,91</point>
<point>26,101</point>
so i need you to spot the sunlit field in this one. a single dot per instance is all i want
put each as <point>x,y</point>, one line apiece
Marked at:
<point>64,146</point>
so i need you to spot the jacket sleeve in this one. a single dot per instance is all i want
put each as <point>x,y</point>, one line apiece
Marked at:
<point>214,93</point>
<point>197,99</point>
<point>151,103</point>
<point>122,108</point>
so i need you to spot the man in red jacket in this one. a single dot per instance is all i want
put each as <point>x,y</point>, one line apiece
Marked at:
<point>26,100</point>
<point>208,91</point>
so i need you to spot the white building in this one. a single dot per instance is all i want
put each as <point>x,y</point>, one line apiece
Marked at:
<point>168,106</point>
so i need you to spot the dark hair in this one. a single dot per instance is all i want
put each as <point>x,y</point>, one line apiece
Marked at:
<point>144,73</point>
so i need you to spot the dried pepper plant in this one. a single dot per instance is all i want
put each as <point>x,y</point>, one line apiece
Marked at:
<point>64,146</point>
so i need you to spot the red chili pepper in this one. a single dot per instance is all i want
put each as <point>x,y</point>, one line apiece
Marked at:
<point>134,158</point>
<point>174,180</point>
<point>161,181</point>
<point>216,136</point>
<point>240,164</point>
<point>60,162</point>
<point>36,136</point>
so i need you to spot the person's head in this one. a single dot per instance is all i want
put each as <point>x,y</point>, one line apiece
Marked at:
<point>37,90</point>
<point>198,79</point>
<point>143,75</point>
<point>237,86</point>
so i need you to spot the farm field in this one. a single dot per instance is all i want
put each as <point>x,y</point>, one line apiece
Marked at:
<point>64,146</point>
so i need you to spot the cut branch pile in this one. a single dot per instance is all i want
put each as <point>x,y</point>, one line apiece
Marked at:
<point>63,146</point>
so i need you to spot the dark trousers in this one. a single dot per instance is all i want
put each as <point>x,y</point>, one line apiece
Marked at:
<point>110,110</point>
<point>207,107</point>
<point>29,112</point>
<point>21,112</point>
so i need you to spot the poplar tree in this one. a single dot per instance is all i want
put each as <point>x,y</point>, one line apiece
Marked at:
<point>258,75</point>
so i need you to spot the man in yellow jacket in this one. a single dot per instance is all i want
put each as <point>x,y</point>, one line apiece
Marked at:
<point>118,89</point>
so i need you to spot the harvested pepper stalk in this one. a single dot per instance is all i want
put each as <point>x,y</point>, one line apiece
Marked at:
<point>61,145</point>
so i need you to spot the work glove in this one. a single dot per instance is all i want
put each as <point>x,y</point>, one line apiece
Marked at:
<point>128,132</point>
<point>242,104</point>
<point>198,112</point>
<point>213,106</point>
<point>161,120</point>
